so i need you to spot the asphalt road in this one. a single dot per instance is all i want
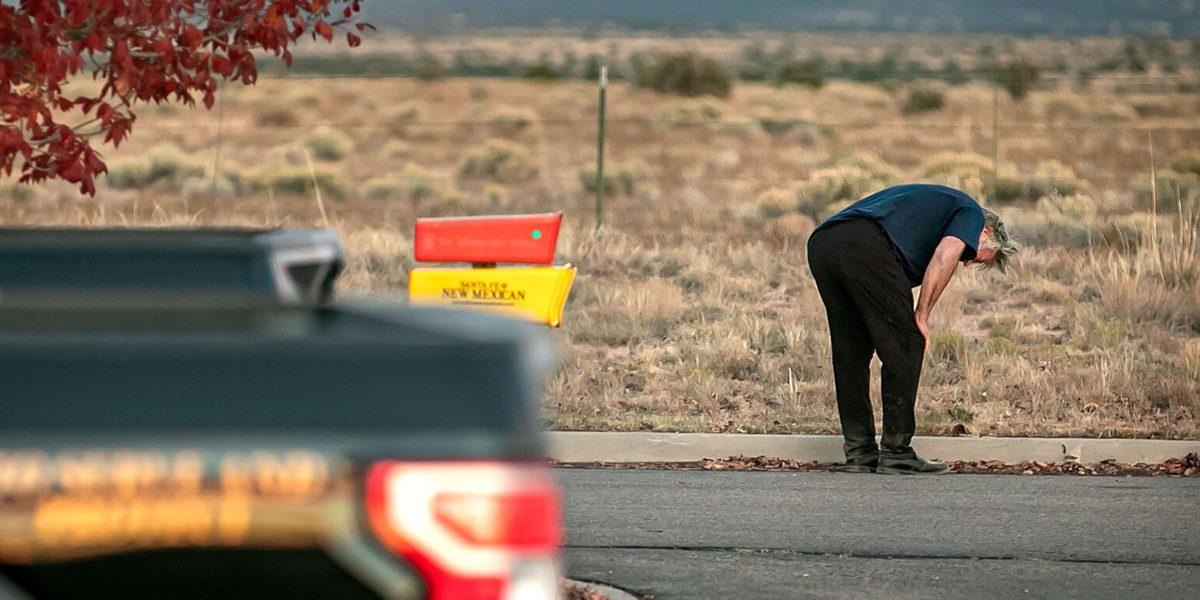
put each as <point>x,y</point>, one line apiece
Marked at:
<point>697,534</point>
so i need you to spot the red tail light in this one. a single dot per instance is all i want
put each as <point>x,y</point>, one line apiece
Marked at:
<point>472,529</point>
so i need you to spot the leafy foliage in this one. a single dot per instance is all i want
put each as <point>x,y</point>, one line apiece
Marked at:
<point>801,73</point>
<point>146,51</point>
<point>686,73</point>
<point>1017,77</point>
<point>923,99</point>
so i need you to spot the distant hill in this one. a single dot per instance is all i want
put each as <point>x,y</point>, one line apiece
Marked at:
<point>1020,17</point>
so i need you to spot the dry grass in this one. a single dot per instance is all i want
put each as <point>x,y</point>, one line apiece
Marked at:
<point>694,309</point>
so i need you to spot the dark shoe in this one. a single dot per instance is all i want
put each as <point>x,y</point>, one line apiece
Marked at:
<point>858,465</point>
<point>910,465</point>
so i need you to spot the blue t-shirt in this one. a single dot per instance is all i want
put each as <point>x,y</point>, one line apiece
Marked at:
<point>916,217</point>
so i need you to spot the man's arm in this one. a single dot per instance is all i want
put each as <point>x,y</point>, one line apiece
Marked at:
<point>937,275</point>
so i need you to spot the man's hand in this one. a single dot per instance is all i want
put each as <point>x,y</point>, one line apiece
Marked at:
<point>924,329</point>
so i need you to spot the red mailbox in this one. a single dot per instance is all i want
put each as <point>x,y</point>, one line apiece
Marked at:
<point>527,239</point>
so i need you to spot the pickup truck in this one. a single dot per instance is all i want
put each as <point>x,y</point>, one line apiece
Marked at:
<point>225,429</point>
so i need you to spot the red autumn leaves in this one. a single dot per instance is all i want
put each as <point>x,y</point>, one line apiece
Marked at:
<point>143,51</point>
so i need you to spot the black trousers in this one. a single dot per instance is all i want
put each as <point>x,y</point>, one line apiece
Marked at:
<point>868,300</point>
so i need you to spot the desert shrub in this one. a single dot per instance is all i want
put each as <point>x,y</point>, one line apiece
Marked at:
<point>948,346</point>
<point>508,121</point>
<point>619,179</point>
<point>397,150</point>
<point>1113,112</point>
<point>1050,230</point>
<point>1174,189</point>
<point>279,116</point>
<point>419,185</point>
<point>774,203</point>
<point>124,173</point>
<point>691,113</point>
<point>792,229</point>
<point>1017,77</point>
<point>873,165</point>
<point>541,72</point>
<point>1003,190</point>
<point>300,181</point>
<point>923,98</point>
<point>1187,163</point>
<point>499,160</point>
<point>379,189</point>
<point>849,179</point>
<point>230,183</point>
<point>686,73</point>
<point>329,144</point>
<point>163,164</point>
<point>972,173</point>
<point>399,119</point>
<point>16,192</point>
<point>800,131</point>
<point>1074,206</point>
<point>806,73</point>
<point>827,187</point>
<point>426,67</point>
<point>956,165</point>
<point>1126,232</point>
<point>1051,177</point>
<point>960,413</point>
<point>1065,108</point>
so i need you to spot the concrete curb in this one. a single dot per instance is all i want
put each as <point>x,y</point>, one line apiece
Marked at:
<point>606,446</point>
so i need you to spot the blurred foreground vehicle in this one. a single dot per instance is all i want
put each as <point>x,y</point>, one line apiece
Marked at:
<point>185,414</point>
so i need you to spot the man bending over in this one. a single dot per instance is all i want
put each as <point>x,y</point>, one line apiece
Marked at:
<point>866,259</point>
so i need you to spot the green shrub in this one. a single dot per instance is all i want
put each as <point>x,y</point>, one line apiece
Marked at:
<point>948,346</point>
<point>299,181</point>
<point>1187,163</point>
<point>379,189</point>
<point>807,131</point>
<point>960,413</point>
<point>163,164</point>
<point>1174,188</point>
<point>873,165</point>
<point>127,174</point>
<point>541,72</point>
<point>923,99</point>
<point>329,144</point>
<point>1004,190</point>
<point>849,179</point>
<point>278,117</point>
<point>419,185</point>
<point>1075,206</point>
<point>499,160</point>
<point>1053,178</point>
<point>800,73</point>
<point>1017,77</point>
<point>829,186</point>
<point>686,73</point>
<point>229,184</point>
<point>619,180</point>
<point>510,122</point>
<point>16,192</point>
<point>774,203</point>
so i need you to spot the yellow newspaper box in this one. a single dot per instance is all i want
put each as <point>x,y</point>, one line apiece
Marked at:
<point>535,293</point>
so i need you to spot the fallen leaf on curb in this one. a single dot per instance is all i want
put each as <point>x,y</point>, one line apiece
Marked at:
<point>1188,466</point>
<point>574,590</point>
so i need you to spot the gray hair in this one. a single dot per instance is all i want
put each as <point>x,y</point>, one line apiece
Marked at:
<point>999,241</point>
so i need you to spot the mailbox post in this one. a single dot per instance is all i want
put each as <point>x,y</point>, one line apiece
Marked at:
<point>511,265</point>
